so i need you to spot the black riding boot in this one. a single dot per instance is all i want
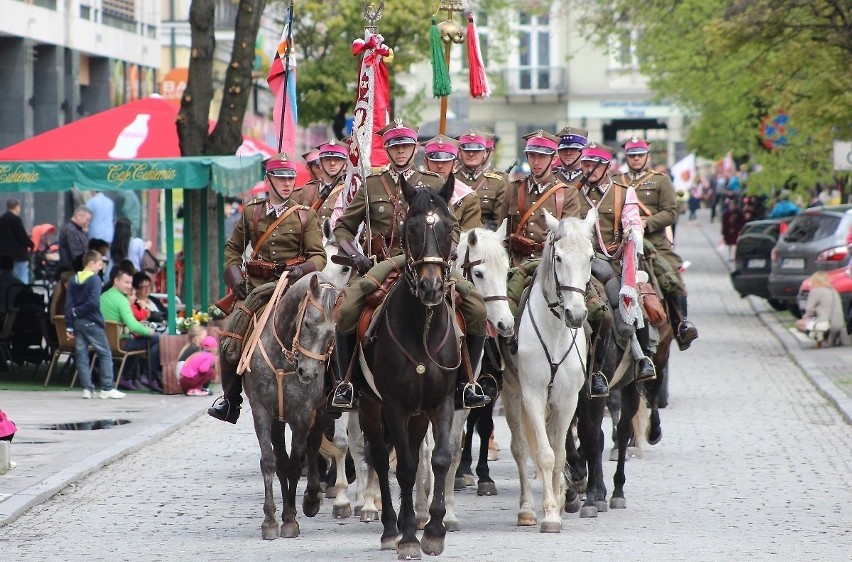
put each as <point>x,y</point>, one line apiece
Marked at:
<point>491,373</point>
<point>685,331</point>
<point>598,385</point>
<point>470,395</point>
<point>645,369</point>
<point>227,408</point>
<point>344,393</point>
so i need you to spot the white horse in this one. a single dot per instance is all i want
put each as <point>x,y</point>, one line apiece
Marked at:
<point>483,261</point>
<point>338,274</point>
<point>542,381</point>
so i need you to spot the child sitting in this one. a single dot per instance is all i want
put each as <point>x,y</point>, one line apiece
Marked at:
<point>199,368</point>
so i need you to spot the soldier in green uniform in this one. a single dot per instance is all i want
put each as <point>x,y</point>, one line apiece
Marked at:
<point>571,143</point>
<point>321,193</point>
<point>441,153</point>
<point>658,207</point>
<point>284,236</point>
<point>381,207</point>
<point>472,170</point>
<point>311,159</point>
<point>608,197</point>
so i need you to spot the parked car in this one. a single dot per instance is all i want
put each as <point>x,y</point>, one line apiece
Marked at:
<point>817,239</point>
<point>841,280</point>
<point>752,261</point>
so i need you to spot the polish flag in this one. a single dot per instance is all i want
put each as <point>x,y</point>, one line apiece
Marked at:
<point>282,73</point>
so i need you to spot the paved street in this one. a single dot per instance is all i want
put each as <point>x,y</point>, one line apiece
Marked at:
<point>755,464</point>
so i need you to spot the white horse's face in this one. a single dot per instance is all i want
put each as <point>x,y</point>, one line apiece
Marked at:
<point>572,259</point>
<point>484,248</point>
<point>338,274</point>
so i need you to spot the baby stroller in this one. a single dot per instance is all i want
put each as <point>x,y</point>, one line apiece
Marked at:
<point>45,253</point>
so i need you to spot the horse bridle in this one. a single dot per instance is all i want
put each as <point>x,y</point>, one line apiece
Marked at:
<point>467,272</point>
<point>557,307</point>
<point>411,264</point>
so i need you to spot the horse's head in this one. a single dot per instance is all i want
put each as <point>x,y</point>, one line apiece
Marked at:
<point>338,274</point>
<point>427,240</point>
<point>484,262</point>
<point>313,330</point>
<point>566,266</point>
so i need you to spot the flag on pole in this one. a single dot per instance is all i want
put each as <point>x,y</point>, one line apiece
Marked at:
<point>725,166</point>
<point>282,82</point>
<point>684,173</point>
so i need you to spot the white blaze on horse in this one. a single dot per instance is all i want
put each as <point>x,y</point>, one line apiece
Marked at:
<point>543,379</point>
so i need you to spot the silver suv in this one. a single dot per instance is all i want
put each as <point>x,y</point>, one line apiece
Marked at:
<point>817,239</point>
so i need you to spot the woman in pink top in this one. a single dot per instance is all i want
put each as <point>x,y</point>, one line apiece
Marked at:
<point>199,368</point>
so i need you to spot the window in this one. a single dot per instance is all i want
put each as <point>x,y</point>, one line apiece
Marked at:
<point>534,72</point>
<point>623,52</point>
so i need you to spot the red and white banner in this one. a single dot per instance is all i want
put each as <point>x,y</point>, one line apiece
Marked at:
<point>684,172</point>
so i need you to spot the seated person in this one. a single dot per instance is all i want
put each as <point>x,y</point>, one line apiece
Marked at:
<point>115,307</point>
<point>9,284</point>
<point>145,307</point>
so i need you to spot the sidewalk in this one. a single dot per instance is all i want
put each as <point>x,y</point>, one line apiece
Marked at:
<point>829,369</point>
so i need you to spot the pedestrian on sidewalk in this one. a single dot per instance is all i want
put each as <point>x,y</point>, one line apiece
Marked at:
<point>199,368</point>
<point>16,241</point>
<point>86,325</point>
<point>823,315</point>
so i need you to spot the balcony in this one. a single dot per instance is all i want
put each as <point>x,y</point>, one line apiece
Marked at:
<point>533,81</point>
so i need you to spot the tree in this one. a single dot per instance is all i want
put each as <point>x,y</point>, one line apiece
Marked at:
<point>735,64</point>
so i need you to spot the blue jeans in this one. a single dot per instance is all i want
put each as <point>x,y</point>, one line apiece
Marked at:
<point>22,271</point>
<point>88,333</point>
<point>152,344</point>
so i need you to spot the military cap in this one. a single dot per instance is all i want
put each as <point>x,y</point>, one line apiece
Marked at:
<point>396,132</point>
<point>280,166</point>
<point>597,153</point>
<point>636,146</point>
<point>441,149</point>
<point>572,137</point>
<point>473,141</point>
<point>311,157</point>
<point>333,149</point>
<point>541,142</point>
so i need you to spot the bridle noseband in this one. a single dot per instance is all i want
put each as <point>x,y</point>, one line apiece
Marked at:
<point>411,263</point>
<point>467,271</point>
<point>557,308</point>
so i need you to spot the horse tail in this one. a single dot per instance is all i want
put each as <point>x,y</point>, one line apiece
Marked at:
<point>641,422</point>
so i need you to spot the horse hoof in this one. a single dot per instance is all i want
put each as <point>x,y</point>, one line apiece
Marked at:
<point>469,480</point>
<point>421,521</point>
<point>526,519</point>
<point>357,510</point>
<point>618,503</point>
<point>573,506</point>
<point>408,551</point>
<point>389,543</point>
<point>433,546</point>
<point>341,511</point>
<point>580,485</point>
<point>655,436</point>
<point>486,489</point>
<point>269,532</point>
<point>588,512</point>
<point>289,530</point>
<point>551,527</point>
<point>451,526</point>
<point>368,516</point>
<point>311,506</point>
<point>613,454</point>
<point>600,505</point>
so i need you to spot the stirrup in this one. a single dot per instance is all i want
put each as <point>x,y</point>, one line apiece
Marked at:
<point>594,394</point>
<point>686,333</point>
<point>350,405</point>
<point>637,377</point>
<point>477,390</point>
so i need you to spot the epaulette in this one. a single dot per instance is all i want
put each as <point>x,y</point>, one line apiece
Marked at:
<point>619,184</point>
<point>433,174</point>
<point>492,174</point>
<point>255,201</point>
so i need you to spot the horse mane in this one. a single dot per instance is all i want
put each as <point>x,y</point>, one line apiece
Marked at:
<point>426,200</point>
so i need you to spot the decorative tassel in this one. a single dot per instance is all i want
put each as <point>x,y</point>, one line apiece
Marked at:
<point>441,85</point>
<point>478,79</point>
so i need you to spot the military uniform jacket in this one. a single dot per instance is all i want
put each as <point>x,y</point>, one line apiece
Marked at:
<point>387,208</point>
<point>490,186</point>
<point>656,193</point>
<point>309,194</point>
<point>562,204</point>
<point>468,212</point>
<point>568,177</point>
<point>610,232</point>
<point>290,239</point>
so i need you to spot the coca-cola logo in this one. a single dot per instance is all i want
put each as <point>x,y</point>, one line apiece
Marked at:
<point>121,173</point>
<point>7,175</point>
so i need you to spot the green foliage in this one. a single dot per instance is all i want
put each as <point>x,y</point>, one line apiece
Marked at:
<point>734,63</point>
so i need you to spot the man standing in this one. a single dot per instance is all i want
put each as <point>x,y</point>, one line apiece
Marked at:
<point>441,154</point>
<point>321,193</point>
<point>16,242</point>
<point>382,195</point>
<point>487,184</point>
<point>73,239</point>
<point>658,208</point>
<point>571,143</point>
<point>284,236</point>
<point>85,323</point>
<point>103,217</point>
<point>115,307</point>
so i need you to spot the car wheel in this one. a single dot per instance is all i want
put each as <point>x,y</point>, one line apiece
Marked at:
<point>795,310</point>
<point>776,304</point>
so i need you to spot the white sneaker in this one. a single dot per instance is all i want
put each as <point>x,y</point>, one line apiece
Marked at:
<point>114,393</point>
<point>87,394</point>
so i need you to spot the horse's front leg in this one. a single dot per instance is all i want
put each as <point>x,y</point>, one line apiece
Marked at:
<point>435,532</point>
<point>371,423</point>
<point>268,456</point>
<point>451,522</point>
<point>534,416</point>
<point>425,479</point>
<point>484,427</point>
<point>291,469</point>
<point>629,406</point>
<point>590,414</point>
<point>464,472</point>
<point>406,434</point>
<point>313,492</point>
<point>518,446</point>
<point>341,508</point>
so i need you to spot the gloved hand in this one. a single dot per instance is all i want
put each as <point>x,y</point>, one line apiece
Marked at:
<point>296,272</point>
<point>361,262</point>
<point>240,290</point>
<point>234,279</point>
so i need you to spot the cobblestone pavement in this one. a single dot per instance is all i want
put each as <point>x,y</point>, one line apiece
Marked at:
<point>754,465</point>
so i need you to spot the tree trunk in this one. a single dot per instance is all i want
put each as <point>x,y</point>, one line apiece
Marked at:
<point>192,120</point>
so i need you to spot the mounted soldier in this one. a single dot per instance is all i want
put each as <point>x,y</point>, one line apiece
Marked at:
<point>658,208</point>
<point>610,199</point>
<point>473,170</point>
<point>524,207</point>
<point>284,237</point>
<point>381,208</point>
<point>441,153</point>
<point>569,150</point>
<point>321,193</point>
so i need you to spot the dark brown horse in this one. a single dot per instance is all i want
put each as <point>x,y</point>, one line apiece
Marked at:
<point>410,374</point>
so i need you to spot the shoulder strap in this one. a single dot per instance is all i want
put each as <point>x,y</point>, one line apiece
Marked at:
<point>271,228</point>
<point>537,205</point>
<point>618,206</point>
<point>644,208</point>
<point>384,179</point>
<point>480,181</point>
<point>256,217</point>
<point>560,203</point>
<point>522,196</point>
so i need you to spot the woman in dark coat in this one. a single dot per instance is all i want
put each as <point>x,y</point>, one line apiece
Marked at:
<point>733,220</point>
